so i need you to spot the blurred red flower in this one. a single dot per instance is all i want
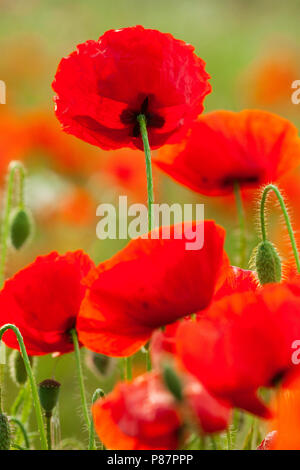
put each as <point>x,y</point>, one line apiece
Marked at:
<point>144,415</point>
<point>223,147</point>
<point>65,154</point>
<point>43,301</point>
<point>150,283</point>
<point>104,85</point>
<point>287,415</point>
<point>243,342</point>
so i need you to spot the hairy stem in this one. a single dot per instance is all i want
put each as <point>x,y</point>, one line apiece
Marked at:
<point>36,401</point>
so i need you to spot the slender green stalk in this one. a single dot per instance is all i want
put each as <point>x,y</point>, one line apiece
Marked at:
<point>18,401</point>
<point>80,377</point>
<point>229,440</point>
<point>272,187</point>
<point>98,393</point>
<point>48,417</point>
<point>13,168</point>
<point>143,128</point>
<point>22,429</point>
<point>26,410</point>
<point>38,410</point>
<point>242,225</point>
<point>128,368</point>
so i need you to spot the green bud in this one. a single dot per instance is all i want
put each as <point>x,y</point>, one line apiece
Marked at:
<point>20,227</point>
<point>172,382</point>
<point>4,432</point>
<point>17,367</point>
<point>98,393</point>
<point>268,264</point>
<point>48,393</point>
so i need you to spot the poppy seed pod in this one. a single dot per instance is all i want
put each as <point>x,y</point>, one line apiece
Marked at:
<point>48,393</point>
<point>172,382</point>
<point>268,264</point>
<point>4,432</point>
<point>17,368</point>
<point>20,227</point>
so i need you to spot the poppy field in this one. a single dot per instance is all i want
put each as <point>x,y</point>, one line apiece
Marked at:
<point>150,225</point>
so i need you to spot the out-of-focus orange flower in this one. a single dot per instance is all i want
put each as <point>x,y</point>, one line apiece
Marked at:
<point>287,416</point>
<point>125,170</point>
<point>77,208</point>
<point>222,148</point>
<point>268,80</point>
<point>13,140</point>
<point>64,152</point>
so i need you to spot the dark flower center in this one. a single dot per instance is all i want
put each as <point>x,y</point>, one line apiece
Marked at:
<point>129,117</point>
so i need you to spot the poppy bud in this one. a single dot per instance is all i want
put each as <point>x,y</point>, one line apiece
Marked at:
<point>268,264</point>
<point>17,367</point>
<point>98,393</point>
<point>4,432</point>
<point>172,382</point>
<point>20,227</point>
<point>48,393</point>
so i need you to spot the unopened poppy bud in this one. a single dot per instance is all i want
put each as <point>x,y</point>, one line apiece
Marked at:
<point>268,264</point>
<point>48,393</point>
<point>172,382</point>
<point>17,367</point>
<point>20,227</point>
<point>4,432</point>
<point>98,393</point>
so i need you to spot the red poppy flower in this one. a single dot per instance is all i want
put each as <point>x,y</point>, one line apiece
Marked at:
<point>250,147</point>
<point>43,301</point>
<point>144,415</point>
<point>287,415</point>
<point>150,283</point>
<point>243,342</point>
<point>236,280</point>
<point>138,416</point>
<point>104,85</point>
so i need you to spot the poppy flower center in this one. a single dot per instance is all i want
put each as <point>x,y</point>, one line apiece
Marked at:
<point>129,117</point>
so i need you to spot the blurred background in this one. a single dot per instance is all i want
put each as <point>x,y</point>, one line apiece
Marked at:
<point>252,51</point>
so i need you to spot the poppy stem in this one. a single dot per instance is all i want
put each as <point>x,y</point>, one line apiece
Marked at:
<point>22,429</point>
<point>267,189</point>
<point>144,133</point>
<point>34,392</point>
<point>98,393</point>
<point>80,377</point>
<point>128,368</point>
<point>241,218</point>
<point>143,128</point>
<point>48,417</point>
<point>13,168</point>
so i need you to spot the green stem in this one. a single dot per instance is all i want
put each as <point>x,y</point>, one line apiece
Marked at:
<point>128,368</point>
<point>22,429</point>
<point>272,187</point>
<point>18,401</point>
<point>143,128</point>
<point>38,410</point>
<point>48,417</point>
<point>13,168</point>
<point>80,377</point>
<point>26,410</point>
<point>242,225</point>
<point>98,393</point>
